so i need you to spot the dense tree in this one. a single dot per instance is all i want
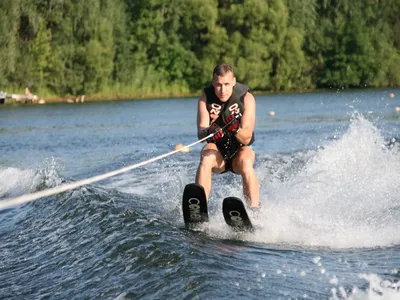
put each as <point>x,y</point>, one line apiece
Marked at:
<point>150,47</point>
<point>9,43</point>
<point>357,43</point>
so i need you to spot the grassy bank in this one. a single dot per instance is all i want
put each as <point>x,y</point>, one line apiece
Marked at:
<point>117,92</point>
<point>157,90</point>
<point>131,93</point>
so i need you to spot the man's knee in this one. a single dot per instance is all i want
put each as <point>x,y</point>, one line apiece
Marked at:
<point>245,166</point>
<point>207,162</point>
<point>244,163</point>
<point>208,158</point>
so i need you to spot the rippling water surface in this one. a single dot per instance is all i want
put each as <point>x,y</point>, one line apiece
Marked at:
<point>329,172</point>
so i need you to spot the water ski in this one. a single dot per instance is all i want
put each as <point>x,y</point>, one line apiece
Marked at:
<point>235,214</point>
<point>194,205</point>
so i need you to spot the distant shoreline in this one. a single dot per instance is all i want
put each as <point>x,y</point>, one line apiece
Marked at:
<point>167,95</point>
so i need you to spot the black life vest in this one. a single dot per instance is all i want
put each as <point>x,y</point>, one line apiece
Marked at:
<point>219,111</point>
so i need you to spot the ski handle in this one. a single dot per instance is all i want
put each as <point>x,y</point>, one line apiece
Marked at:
<point>238,115</point>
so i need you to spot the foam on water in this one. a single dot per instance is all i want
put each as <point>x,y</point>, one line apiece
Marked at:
<point>378,289</point>
<point>16,182</point>
<point>368,286</point>
<point>345,196</point>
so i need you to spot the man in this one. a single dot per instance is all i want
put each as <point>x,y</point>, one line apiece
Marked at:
<point>227,103</point>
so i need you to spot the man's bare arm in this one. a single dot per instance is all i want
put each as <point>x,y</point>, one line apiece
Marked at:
<point>248,120</point>
<point>203,117</point>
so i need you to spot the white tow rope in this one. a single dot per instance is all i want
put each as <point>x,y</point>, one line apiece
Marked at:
<point>69,186</point>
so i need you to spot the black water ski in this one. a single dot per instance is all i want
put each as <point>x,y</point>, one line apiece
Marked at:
<point>235,214</point>
<point>194,205</point>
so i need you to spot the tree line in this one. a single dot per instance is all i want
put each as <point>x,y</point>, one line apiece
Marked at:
<point>149,47</point>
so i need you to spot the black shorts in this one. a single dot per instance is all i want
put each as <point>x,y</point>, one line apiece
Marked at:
<point>229,146</point>
<point>228,166</point>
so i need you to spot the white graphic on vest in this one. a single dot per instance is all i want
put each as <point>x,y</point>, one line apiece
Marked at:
<point>234,109</point>
<point>215,109</point>
<point>236,218</point>
<point>194,209</point>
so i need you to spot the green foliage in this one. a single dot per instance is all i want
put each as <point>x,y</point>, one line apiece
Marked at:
<point>157,47</point>
<point>357,44</point>
<point>9,46</point>
<point>40,53</point>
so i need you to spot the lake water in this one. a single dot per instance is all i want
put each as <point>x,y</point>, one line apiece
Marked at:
<point>329,170</point>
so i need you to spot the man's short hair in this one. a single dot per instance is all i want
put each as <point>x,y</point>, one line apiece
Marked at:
<point>222,69</point>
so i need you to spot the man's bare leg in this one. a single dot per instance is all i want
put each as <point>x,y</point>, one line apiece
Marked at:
<point>251,189</point>
<point>243,164</point>
<point>211,161</point>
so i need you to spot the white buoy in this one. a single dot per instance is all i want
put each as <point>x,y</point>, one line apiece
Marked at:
<point>391,95</point>
<point>272,113</point>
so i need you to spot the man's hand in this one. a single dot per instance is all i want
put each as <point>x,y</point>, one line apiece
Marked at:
<point>234,125</point>
<point>214,128</point>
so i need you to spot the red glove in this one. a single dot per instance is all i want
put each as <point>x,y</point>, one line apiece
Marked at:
<point>214,128</point>
<point>234,125</point>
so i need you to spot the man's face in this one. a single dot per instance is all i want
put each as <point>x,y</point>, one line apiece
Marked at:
<point>223,86</point>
